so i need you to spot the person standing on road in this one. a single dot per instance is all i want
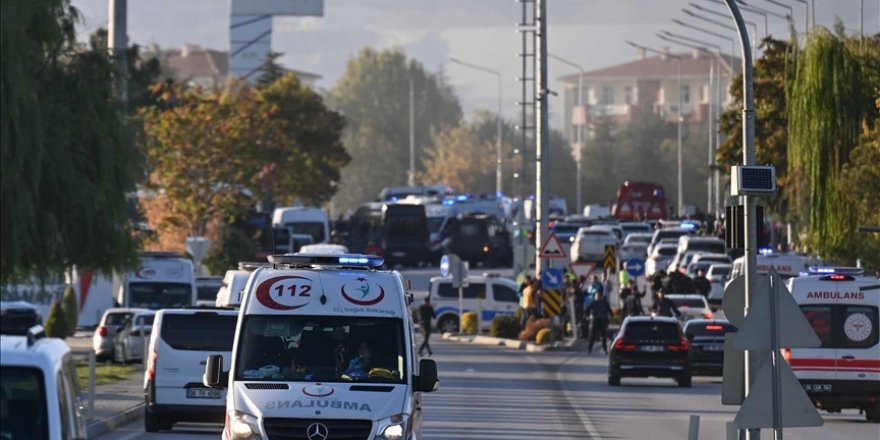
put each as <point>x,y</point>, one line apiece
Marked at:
<point>426,314</point>
<point>530,303</point>
<point>702,284</point>
<point>607,285</point>
<point>599,312</point>
<point>665,307</point>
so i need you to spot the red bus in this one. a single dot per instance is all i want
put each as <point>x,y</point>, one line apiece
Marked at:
<point>639,200</point>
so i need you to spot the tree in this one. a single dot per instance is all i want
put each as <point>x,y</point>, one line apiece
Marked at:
<point>71,310</point>
<point>56,323</point>
<point>373,94</point>
<point>828,106</point>
<point>67,157</point>
<point>271,71</point>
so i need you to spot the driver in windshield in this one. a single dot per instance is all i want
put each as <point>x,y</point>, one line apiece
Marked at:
<point>359,366</point>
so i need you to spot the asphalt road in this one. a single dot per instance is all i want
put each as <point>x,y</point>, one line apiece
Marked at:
<point>494,393</point>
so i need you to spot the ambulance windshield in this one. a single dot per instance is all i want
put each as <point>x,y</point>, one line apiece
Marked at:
<point>321,349</point>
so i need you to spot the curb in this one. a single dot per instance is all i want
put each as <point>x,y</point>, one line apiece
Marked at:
<point>564,345</point>
<point>98,428</point>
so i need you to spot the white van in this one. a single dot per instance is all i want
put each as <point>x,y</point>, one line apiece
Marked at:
<point>787,265</point>
<point>163,279</point>
<point>233,285</point>
<point>324,346</point>
<point>491,294</point>
<point>845,371</point>
<point>181,341</point>
<point>303,220</point>
<point>39,390</point>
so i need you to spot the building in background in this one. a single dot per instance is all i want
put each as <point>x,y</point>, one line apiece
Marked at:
<point>626,91</point>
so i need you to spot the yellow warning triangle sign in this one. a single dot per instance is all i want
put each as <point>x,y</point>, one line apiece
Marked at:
<point>552,248</point>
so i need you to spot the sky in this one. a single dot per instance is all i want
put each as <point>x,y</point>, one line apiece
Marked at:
<point>591,33</point>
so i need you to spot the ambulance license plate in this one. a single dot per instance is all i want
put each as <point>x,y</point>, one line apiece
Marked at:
<point>202,393</point>
<point>818,387</point>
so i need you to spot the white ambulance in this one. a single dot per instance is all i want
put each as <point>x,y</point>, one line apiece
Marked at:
<point>844,373</point>
<point>324,349</point>
<point>162,280</point>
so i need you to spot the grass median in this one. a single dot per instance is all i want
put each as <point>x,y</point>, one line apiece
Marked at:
<point>105,373</point>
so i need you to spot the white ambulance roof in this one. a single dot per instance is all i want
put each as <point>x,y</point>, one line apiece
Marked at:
<point>43,354</point>
<point>819,289</point>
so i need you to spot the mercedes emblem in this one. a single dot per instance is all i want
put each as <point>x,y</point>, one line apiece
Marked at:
<point>317,431</point>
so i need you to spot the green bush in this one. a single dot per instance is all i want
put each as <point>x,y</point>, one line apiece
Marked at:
<point>56,324</point>
<point>71,310</point>
<point>544,336</point>
<point>504,327</point>
<point>469,323</point>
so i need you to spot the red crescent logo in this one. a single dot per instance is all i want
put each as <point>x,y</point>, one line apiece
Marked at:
<point>318,392</point>
<point>264,295</point>
<point>370,302</point>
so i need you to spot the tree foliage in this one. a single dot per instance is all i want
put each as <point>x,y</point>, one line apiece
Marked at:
<point>213,154</point>
<point>373,94</point>
<point>56,323</point>
<point>66,152</point>
<point>271,71</point>
<point>70,307</point>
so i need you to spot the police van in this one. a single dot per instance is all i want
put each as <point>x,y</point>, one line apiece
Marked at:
<point>490,294</point>
<point>323,349</point>
<point>39,391</point>
<point>842,307</point>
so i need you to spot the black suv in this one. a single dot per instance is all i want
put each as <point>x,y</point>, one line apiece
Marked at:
<point>648,346</point>
<point>707,344</point>
<point>480,238</point>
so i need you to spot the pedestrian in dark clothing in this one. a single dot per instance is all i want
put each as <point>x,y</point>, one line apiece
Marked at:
<point>426,314</point>
<point>702,284</point>
<point>599,312</point>
<point>665,307</point>
<point>632,304</point>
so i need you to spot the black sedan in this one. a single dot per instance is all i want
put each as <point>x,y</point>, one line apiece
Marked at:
<point>707,344</point>
<point>649,346</point>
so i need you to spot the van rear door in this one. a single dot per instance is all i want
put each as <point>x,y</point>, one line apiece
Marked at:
<point>859,350</point>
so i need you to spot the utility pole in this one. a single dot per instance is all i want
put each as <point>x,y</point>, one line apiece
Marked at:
<point>412,138</point>
<point>580,116</point>
<point>542,133</point>
<point>117,43</point>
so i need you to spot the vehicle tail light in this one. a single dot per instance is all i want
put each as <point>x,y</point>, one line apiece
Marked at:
<point>708,315</point>
<point>714,328</point>
<point>619,345</point>
<point>684,345</point>
<point>151,366</point>
<point>102,331</point>
<point>786,354</point>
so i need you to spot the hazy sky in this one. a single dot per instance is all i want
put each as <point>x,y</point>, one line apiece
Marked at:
<point>588,32</point>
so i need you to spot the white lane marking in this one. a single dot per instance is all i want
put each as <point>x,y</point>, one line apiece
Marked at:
<point>582,415</point>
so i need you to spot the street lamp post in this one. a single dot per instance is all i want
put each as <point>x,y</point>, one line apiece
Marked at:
<point>708,32</point>
<point>498,170</point>
<point>680,206</point>
<point>725,26</point>
<point>579,130</point>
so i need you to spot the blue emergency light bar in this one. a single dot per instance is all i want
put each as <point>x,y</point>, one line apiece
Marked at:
<point>825,270</point>
<point>688,226</point>
<point>346,260</point>
<point>765,251</point>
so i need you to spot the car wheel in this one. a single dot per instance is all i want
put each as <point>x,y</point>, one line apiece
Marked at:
<point>613,377</point>
<point>684,380</point>
<point>448,324</point>
<point>152,422</point>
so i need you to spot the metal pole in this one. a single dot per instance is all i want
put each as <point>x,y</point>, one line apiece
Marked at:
<point>680,179</point>
<point>774,357</point>
<point>498,171</point>
<point>412,138</point>
<point>541,133</point>
<point>748,133</point>
<point>91,404</point>
<point>117,42</point>
<point>709,125</point>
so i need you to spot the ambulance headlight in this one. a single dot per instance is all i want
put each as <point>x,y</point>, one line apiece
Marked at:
<point>394,428</point>
<point>243,427</point>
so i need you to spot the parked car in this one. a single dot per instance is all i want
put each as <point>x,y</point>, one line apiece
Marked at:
<point>650,346</point>
<point>181,341</point>
<point>16,317</point>
<point>206,290</point>
<point>105,334</point>
<point>128,345</point>
<point>589,244</point>
<point>491,294</point>
<point>707,344</point>
<point>691,306</point>
<point>633,250</point>
<point>717,275</point>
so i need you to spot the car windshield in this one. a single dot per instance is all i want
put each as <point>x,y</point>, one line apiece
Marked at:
<point>117,318</point>
<point>650,331</point>
<point>632,238</point>
<point>204,331</point>
<point>688,302</point>
<point>321,349</point>
<point>434,224</point>
<point>715,247</point>
<point>23,403</point>
<point>720,271</point>
<point>666,251</point>
<point>566,229</point>
<point>315,229</point>
<point>157,296</point>
<point>207,293</point>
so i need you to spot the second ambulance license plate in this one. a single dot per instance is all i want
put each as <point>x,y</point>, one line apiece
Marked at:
<point>202,393</point>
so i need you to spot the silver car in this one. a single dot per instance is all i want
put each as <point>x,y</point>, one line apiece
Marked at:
<point>129,343</point>
<point>110,324</point>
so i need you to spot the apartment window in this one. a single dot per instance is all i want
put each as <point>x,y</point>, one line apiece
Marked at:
<point>686,94</point>
<point>628,95</point>
<point>607,95</point>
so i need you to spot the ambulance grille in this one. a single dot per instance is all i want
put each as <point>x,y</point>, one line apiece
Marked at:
<point>267,386</point>
<point>297,429</point>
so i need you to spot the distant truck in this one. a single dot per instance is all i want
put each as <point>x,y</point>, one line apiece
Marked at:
<point>162,280</point>
<point>640,200</point>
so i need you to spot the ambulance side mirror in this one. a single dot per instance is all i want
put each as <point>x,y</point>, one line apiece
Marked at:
<point>427,380</point>
<point>214,375</point>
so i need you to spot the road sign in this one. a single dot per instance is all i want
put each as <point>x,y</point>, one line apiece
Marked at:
<point>794,329</point>
<point>610,259</point>
<point>757,410</point>
<point>551,300</point>
<point>458,269</point>
<point>552,278</point>
<point>635,267</point>
<point>197,247</point>
<point>582,269</point>
<point>552,248</point>
<point>444,266</point>
<point>734,300</point>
